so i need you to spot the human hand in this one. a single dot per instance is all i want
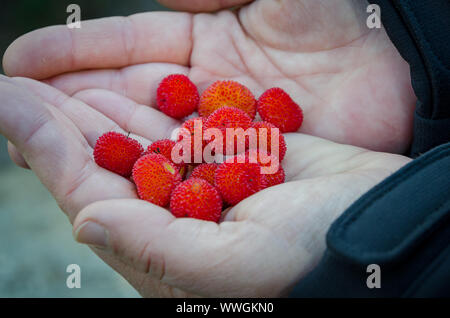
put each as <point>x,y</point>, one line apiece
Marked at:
<point>263,246</point>
<point>351,82</point>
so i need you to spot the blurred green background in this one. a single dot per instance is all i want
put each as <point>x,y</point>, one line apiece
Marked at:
<point>36,243</point>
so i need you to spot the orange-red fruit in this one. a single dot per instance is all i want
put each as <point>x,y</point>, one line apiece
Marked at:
<point>194,133</point>
<point>177,96</point>
<point>264,139</point>
<point>205,171</point>
<point>268,161</point>
<point>164,147</point>
<point>278,108</point>
<point>196,198</point>
<point>276,178</point>
<point>229,117</point>
<point>155,177</point>
<point>227,93</point>
<point>161,147</point>
<point>237,181</point>
<point>117,153</point>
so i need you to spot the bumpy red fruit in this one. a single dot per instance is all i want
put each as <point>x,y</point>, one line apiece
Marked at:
<point>277,107</point>
<point>270,162</point>
<point>164,147</point>
<point>117,153</point>
<point>276,178</point>
<point>161,147</point>
<point>227,93</point>
<point>196,198</point>
<point>205,171</point>
<point>237,181</point>
<point>264,139</point>
<point>229,117</point>
<point>155,177</point>
<point>189,126</point>
<point>177,96</point>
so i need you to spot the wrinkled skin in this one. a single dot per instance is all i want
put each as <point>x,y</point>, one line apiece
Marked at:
<point>352,84</point>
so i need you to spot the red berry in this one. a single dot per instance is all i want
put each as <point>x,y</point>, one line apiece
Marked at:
<point>237,181</point>
<point>177,96</point>
<point>229,117</point>
<point>276,178</point>
<point>227,93</point>
<point>164,147</point>
<point>196,198</point>
<point>117,153</point>
<point>161,147</point>
<point>205,171</point>
<point>264,139</point>
<point>155,177</point>
<point>278,108</point>
<point>269,162</point>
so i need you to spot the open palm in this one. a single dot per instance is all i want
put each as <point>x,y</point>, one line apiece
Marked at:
<point>351,82</point>
<point>262,246</point>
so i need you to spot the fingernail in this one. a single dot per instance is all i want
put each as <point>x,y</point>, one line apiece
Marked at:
<point>92,233</point>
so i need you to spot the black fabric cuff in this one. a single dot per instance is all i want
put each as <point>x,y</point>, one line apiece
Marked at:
<point>426,131</point>
<point>420,30</point>
<point>403,226</point>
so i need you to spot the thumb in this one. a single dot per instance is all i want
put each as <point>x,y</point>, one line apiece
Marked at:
<point>151,240</point>
<point>201,5</point>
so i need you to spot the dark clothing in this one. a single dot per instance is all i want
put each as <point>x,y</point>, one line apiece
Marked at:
<point>420,30</point>
<point>402,224</point>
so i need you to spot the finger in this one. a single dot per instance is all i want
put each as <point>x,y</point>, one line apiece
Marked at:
<point>157,241</point>
<point>16,157</point>
<point>202,5</point>
<point>184,253</point>
<point>137,82</point>
<point>103,43</point>
<point>56,151</point>
<point>140,119</point>
<point>94,195</point>
<point>91,123</point>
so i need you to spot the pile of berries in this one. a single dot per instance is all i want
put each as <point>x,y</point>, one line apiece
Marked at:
<point>193,186</point>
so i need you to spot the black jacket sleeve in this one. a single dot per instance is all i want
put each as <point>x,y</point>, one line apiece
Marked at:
<point>420,30</point>
<point>403,224</point>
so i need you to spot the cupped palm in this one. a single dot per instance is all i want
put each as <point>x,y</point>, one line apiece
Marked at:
<point>352,84</point>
